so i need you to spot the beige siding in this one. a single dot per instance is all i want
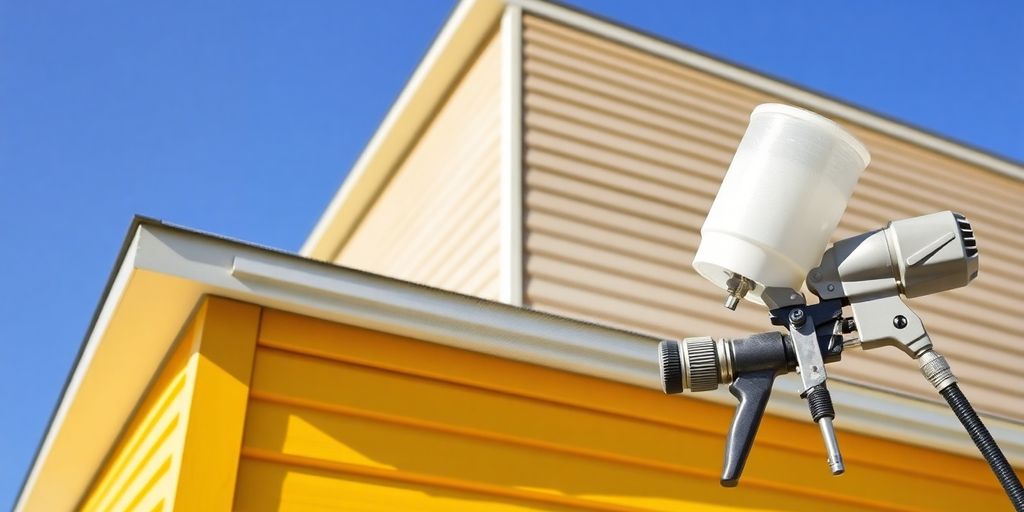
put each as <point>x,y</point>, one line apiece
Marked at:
<point>624,154</point>
<point>436,222</point>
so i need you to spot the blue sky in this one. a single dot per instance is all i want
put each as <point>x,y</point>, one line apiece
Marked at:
<point>243,118</point>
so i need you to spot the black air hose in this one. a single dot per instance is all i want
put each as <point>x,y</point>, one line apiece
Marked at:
<point>983,440</point>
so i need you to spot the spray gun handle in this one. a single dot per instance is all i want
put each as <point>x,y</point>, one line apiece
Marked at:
<point>752,389</point>
<point>749,364</point>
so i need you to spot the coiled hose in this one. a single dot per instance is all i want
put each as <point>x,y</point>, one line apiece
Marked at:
<point>983,440</point>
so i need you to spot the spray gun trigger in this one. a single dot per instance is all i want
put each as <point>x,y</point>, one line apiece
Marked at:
<point>752,389</point>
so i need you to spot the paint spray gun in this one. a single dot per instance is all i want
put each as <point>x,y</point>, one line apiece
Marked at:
<point>766,235</point>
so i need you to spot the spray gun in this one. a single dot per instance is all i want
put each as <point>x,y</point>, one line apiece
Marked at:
<point>766,235</point>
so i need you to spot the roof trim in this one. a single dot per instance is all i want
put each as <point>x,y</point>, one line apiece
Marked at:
<point>166,270</point>
<point>511,193</point>
<point>467,28</point>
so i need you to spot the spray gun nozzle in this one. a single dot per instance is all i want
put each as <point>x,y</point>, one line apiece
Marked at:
<point>737,286</point>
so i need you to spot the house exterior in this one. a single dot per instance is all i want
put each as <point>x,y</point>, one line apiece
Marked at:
<point>568,166</point>
<point>473,323</point>
<point>220,375</point>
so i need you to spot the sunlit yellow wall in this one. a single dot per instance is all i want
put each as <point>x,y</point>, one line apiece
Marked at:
<point>180,451</point>
<point>142,472</point>
<point>345,418</point>
<point>264,410</point>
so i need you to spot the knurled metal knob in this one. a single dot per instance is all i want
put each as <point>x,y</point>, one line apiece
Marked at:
<point>700,360</point>
<point>671,363</point>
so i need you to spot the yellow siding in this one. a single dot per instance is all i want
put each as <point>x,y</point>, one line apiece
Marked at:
<point>180,451</point>
<point>142,468</point>
<point>437,220</point>
<point>624,155</point>
<point>221,371</point>
<point>342,417</point>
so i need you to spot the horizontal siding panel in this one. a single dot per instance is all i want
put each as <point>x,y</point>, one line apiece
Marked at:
<point>466,241</point>
<point>617,200</point>
<point>154,485</point>
<point>574,105</point>
<point>646,133</point>
<point>950,308</point>
<point>913,187</point>
<point>669,273</point>
<point>626,95</point>
<point>944,171</point>
<point>584,172</point>
<point>494,468</point>
<point>622,142</point>
<point>582,148</point>
<point>684,203</point>
<point>624,153</point>
<point>643,305</point>
<point>556,153</point>
<point>599,215</point>
<point>433,199</point>
<point>436,221</point>
<point>610,57</point>
<point>342,416</point>
<point>463,238</point>
<point>272,485</point>
<point>671,296</point>
<point>949,169</point>
<point>681,113</point>
<point>142,461</point>
<point>613,62</point>
<point>562,155</point>
<point>318,339</point>
<point>615,210</point>
<point>142,471</point>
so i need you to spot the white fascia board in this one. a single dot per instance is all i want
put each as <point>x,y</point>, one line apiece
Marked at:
<point>167,270</point>
<point>820,104</point>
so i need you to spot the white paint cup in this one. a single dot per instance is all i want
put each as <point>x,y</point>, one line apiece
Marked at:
<point>781,199</point>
